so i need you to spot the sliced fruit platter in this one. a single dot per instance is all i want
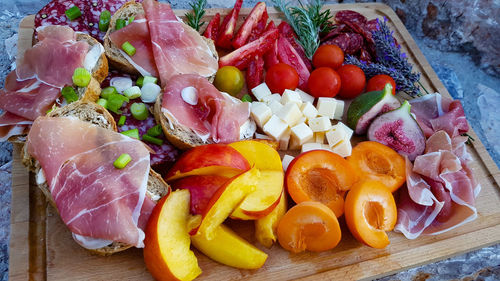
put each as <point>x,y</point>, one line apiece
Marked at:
<point>267,142</point>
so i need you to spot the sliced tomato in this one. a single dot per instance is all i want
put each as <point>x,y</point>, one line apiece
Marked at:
<point>212,30</point>
<point>228,27</point>
<point>250,23</point>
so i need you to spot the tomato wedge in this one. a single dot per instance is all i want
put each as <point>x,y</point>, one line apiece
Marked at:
<point>250,23</point>
<point>212,30</point>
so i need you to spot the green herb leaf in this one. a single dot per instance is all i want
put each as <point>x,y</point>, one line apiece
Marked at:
<point>193,19</point>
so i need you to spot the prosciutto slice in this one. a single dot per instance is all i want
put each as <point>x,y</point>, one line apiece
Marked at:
<point>214,115</point>
<point>440,189</point>
<point>434,112</point>
<point>94,199</point>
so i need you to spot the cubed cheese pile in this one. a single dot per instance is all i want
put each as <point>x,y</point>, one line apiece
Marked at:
<point>294,121</point>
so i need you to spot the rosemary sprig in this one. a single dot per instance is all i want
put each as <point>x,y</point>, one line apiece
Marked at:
<point>470,139</point>
<point>307,21</point>
<point>193,19</point>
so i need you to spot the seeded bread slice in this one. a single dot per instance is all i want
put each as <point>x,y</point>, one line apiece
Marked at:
<point>97,115</point>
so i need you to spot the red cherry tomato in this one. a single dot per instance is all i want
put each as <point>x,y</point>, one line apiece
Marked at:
<point>353,81</point>
<point>324,82</point>
<point>328,55</point>
<point>281,76</point>
<point>377,83</point>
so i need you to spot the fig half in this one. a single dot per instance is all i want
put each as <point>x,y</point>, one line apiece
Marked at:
<point>400,131</point>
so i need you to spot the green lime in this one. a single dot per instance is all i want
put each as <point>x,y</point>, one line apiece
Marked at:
<point>229,79</point>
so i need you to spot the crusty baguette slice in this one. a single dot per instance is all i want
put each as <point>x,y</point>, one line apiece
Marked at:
<point>115,57</point>
<point>100,70</point>
<point>97,115</point>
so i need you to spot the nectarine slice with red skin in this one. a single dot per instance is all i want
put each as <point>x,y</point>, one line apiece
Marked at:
<point>210,159</point>
<point>167,251</point>
<point>266,227</point>
<point>259,154</point>
<point>309,226</point>
<point>370,211</point>
<point>375,161</point>
<point>322,176</point>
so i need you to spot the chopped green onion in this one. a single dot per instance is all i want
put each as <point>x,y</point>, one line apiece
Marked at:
<point>81,77</point>
<point>151,139</point>
<point>140,81</point>
<point>73,13</point>
<point>106,92</point>
<point>155,131</point>
<point>128,48</point>
<point>149,79</point>
<point>122,120</point>
<point>69,94</point>
<point>122,161</point>
<point>50,110</point>
<point>132,92</point>
<point>130,20</point>
<point>102,102</point>
<point>120,23</point>
<point>115,102</point>
<point>246,98</point>
<point>104,19</point>
<point>134,133</point>
<point>139,111</point>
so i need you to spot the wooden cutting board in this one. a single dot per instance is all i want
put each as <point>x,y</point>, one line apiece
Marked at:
<point>41,246</point>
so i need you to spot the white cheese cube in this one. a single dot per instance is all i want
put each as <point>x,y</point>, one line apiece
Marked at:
<point>342,126</point>
<point>319,137</point>
<point>275,106</point>
<point>326,107</point>
<point>314,146</point>
<point>302,133</point>
<point>326,147</point>
<point>287,159</point>
<point>343,148</point>
<point>320,124</point>
<point>291,96</point>
<point>302,120</point>
<point>309,110</point>
<point>335,136</point>
<point>290,113</point>
<point>275,127</point>
<point>274,97</point>
<point>294,143</point>
<point>284,140</point>
<point>261,91</point>
<point>262,137</point>
<point>260,112</point>
<point>339,110</point>
<point>305,96</point>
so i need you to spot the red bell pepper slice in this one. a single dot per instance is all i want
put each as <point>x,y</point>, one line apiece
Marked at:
<point>287,54</point>
<point>250,23</point>
<point>255,72</point>
<point>287,31</point>
<point>228,26</point>
<point>213,28</point>
<point>242,56</point>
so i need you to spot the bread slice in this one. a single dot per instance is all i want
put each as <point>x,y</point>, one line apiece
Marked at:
<point>115,57</point>
<point>97,115</point>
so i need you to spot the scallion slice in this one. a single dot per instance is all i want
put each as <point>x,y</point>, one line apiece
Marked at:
<point>133,133</point>
<point>81,77</point>
<point>149,79</point>
<point>140,81</point>
<point>102,102</point>
<point>120,23</point>
<point>130,20</point>
<point>132,92</point>
<point>115,102</point>
<point>122,161</point>
<point>155,131</point>
<point>73,13</point>
<point>246,98</point>
<point>128,48</point>
<point>104,19</point>
<point>69,94</point>
<point>106,92</point>
<point>151,139</point>
<point>139,111</point>
<point>122,120</point>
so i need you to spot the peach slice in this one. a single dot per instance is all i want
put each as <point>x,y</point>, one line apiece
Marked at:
<point>265,228</point>
<point>230,249</point>
<point>225,201</point>
<point>210,159</point>
<point>258,154</point>
<point>166,252</point>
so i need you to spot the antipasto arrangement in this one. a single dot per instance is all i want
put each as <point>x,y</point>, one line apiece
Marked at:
<point>106,146</point>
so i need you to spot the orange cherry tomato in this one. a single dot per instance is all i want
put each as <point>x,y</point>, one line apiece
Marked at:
<point>329,56</point>
<point>352,80</point>
<point>377,83</point>
<point>309,226</point>
<point>281,76</point>
<point>324,82</point>
<point>322,176</point>
<point>370,211</point>
<point>375,161</point>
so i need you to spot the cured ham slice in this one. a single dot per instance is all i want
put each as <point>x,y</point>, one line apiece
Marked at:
<point>434,112</point>
<point>440,189</point>
<point>94,199</point>
<point>214,115</point>
<point>177,48</point>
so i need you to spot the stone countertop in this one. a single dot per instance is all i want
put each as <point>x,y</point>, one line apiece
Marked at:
<point>460,74</point>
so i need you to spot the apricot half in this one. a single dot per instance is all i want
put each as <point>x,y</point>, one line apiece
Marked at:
<point>375,161</point>
<point>370,211</point>
<point>322,176</point>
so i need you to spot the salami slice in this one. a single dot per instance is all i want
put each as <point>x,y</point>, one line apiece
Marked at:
<point>350,42</point>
